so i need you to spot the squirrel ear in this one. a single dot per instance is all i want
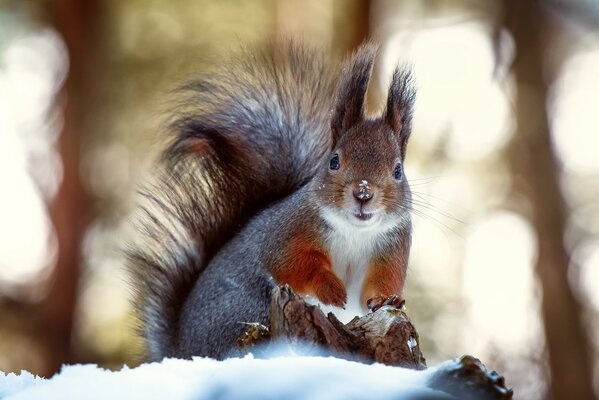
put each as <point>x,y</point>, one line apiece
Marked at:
<point>400,107</point>
<point>349,109</point>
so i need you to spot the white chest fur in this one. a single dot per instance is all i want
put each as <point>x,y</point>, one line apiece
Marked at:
<point>351,249</point>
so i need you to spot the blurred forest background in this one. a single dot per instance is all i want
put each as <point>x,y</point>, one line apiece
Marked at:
<point>504,163</point>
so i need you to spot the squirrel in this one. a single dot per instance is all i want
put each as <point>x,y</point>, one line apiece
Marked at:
<point>274,175</point>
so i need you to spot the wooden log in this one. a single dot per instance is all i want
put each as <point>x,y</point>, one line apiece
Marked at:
<point>467,378</point>
<point>385,336</point>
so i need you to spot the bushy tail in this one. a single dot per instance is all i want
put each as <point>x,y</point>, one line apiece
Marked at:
<point>244,136</point>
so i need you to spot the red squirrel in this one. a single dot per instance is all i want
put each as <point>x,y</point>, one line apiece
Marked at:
<point>274,175</point>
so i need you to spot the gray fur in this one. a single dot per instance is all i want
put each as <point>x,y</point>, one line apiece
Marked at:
<point>243,137</point>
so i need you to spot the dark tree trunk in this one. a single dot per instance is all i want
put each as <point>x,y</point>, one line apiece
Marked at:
<point>75,20</point>
<point>534,159</point>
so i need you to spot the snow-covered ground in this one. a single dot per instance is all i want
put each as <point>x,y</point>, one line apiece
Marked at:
<point>288,377</point>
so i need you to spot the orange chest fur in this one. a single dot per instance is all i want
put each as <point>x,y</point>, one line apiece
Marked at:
<point>340,271</point>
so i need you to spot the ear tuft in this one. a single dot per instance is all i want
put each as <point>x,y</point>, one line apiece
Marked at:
<point>349,109</point>
<point>400,106</point>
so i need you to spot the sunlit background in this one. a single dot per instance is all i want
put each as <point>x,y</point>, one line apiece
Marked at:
<point>503,162</point>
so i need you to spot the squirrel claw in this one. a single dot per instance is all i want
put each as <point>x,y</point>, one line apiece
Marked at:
<point>377,302</point>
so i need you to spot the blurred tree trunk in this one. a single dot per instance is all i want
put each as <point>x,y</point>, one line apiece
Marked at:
<point>339,26</point>
<point>534,159</point>
<point>75,20</point>
<point>351,24</point>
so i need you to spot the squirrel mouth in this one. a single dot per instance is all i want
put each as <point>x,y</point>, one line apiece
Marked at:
<point>364,216</point>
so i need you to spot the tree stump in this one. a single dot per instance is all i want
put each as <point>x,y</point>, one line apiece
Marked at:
<point>385,336</point>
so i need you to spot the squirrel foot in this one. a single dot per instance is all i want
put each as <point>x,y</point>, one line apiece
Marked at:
<point>377,302</point>
<point>331,290</point>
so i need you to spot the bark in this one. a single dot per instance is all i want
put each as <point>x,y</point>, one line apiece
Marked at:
<point>467,378</point>
<point>385,336</point>
<point>533,158</point>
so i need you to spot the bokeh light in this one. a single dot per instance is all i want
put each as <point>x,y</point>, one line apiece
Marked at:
<point>32,69</point>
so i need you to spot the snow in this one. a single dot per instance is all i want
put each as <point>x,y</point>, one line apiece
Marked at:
<point>12,383</point>
<point>288,377</point>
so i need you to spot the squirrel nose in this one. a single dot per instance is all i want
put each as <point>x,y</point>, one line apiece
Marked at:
<point>363,193</point>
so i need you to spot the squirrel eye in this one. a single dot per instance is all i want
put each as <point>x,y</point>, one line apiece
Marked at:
<point>335,161</point>
<point>398,172</point>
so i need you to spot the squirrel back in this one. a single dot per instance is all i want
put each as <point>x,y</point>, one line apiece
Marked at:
<point>243,137</point>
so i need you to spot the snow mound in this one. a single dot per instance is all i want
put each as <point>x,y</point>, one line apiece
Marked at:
<point>290,377</point>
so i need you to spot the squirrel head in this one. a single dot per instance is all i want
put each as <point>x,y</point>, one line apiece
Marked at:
<point>363,181</point>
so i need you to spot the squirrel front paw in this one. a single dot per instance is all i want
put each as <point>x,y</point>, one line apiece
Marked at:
<point>330,289</point>
<point>377,302</point>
